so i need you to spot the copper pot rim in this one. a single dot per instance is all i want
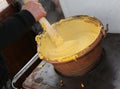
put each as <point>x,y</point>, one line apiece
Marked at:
<point>89,48</point>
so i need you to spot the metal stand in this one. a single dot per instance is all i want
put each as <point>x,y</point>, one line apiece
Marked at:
<point>24,69</point>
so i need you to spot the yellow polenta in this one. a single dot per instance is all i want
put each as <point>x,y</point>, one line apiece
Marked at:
<point>77,33</point>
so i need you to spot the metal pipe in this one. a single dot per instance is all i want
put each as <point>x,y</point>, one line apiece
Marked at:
<point>22,71</point>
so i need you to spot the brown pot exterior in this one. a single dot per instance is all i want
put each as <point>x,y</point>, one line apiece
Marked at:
<point>82,65</point>
<point>84,62</point>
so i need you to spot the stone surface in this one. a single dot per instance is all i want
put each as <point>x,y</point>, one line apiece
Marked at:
<point>105,75</point>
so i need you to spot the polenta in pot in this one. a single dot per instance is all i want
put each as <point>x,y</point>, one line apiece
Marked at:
<point>78,34</point>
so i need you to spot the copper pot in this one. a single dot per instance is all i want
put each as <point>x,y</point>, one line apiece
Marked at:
<point>85,60</point>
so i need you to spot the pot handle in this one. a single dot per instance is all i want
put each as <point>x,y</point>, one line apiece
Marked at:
<point>104,31</point>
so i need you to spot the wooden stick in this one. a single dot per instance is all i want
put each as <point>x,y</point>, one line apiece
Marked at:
<point>55,37</point>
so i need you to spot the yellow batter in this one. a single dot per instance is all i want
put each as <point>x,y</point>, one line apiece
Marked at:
<point>77,34</point>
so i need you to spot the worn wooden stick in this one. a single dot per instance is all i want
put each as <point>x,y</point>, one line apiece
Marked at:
<point>55,37</point>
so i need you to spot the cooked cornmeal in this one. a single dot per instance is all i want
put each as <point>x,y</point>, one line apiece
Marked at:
<point>78,34</point>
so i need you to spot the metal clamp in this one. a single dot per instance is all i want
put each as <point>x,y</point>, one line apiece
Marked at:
<point>104,31</point>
